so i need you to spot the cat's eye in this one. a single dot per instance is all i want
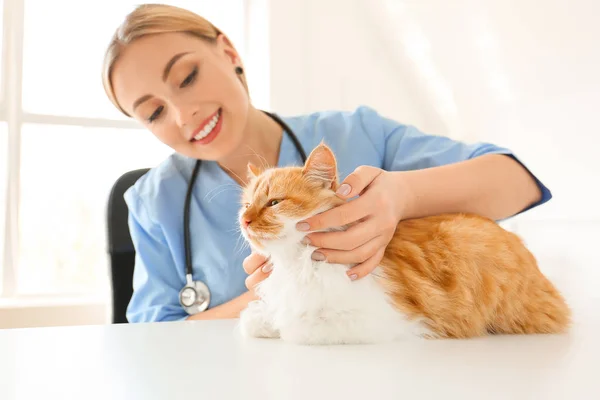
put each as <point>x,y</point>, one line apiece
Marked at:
<point>274,202</point>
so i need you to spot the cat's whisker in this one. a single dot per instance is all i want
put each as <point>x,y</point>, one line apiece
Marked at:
<point>236,175</point>
<point>218,190</point>
<point>264,162</point>
<point>241,245</point>
<point>220,187</point>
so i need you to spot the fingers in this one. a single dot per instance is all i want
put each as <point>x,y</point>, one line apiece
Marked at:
<point>252,262</point>
<point>355,256</point>
<point>352,238</point>
<point>259,275</point>
<point>336,217</point>
<point>258,268</point>
<point>350,212</point>
<point>365,268</point>
<point>357,181</point>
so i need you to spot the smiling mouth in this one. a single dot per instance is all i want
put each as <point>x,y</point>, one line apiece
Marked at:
<point>211,127</point>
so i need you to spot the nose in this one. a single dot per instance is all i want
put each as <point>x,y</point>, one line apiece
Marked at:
<point>184,115</point>
<point>246,221</point>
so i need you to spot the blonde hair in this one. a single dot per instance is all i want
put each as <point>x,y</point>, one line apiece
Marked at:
<point>148,19</point>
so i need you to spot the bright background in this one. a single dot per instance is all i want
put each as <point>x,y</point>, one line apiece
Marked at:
<point>522,74</point>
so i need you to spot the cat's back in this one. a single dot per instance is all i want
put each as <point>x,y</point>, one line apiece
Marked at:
<point>450,235</point>
<point>455,231</point>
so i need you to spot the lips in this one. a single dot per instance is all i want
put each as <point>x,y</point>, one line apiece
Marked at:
<point>208,129</point>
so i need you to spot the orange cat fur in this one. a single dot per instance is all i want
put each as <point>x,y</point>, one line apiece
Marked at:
<point>462,275</point>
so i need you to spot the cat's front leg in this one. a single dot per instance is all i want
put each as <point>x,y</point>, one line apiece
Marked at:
<point>255,322</point>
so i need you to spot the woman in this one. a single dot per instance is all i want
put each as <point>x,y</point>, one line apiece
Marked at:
<point>182,78</point>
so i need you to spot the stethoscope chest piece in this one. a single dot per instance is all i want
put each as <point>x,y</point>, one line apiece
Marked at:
<point>194,296</point>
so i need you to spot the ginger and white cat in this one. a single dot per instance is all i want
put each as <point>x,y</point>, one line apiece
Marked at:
<point>446,276</point>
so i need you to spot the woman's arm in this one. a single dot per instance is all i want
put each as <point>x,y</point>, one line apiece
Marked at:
<point>230,309</point>
<point>493,185</point>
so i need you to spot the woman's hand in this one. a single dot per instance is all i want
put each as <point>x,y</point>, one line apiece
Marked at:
<point>383,199</point>
<point>258,269</point>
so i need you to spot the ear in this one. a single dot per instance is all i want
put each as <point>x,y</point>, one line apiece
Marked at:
<point>321,166</point>
<point>227,48</point>
<point>253,171</point>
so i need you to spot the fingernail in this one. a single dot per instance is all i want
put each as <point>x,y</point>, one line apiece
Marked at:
<point>306,240</point>
<point>302,226</point>
<point>317,256</point>
<point>353,277</point>
<point>344,190</point>
<point>267,268</point>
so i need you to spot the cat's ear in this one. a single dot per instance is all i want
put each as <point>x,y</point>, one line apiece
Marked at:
<point>253,171</point>
<point>321,166</point>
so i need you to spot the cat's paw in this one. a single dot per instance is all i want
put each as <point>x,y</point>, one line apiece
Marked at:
<point>254,322</point>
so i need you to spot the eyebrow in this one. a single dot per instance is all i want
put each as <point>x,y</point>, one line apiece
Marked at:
<point>165,75</point>
<point>170,64</point>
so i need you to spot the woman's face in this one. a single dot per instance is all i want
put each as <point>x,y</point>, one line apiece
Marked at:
<point>185,91</point>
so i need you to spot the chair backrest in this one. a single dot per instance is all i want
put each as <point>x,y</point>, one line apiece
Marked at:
<point>120,246</point>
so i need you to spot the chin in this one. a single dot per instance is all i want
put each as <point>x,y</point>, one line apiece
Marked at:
<point>258,241</point>
<point>266,244</point>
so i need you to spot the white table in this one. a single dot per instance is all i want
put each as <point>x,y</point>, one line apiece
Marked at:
<point>207,360</point>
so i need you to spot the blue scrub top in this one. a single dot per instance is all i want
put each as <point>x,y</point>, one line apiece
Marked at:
<point>360,137</point>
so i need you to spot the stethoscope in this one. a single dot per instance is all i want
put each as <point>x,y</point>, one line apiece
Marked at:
<point>194,297</point>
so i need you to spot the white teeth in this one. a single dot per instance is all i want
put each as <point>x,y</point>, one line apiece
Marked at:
<point>209,127</point>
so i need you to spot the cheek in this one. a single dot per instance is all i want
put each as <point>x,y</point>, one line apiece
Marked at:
<point>224,86</point>
<point>168,133</point>
<point>232,95</point>
<point>269,221</point>
<point>294,211</point>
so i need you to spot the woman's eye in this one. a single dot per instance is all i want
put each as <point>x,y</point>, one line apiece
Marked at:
<point>274,203</point>
<point>190,78</point>
<point>155,114</point>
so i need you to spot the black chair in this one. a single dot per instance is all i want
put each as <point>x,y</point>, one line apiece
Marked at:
<point>120,246</point>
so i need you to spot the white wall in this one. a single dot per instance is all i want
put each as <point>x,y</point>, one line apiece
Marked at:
<point>522,74</point>
<point>326,55</point>
<point>502,71</point>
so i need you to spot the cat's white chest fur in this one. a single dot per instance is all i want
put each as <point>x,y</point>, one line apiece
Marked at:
<point>310,302</point>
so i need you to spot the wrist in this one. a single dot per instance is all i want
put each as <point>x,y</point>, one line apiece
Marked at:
<point>249,296</point>
<point>406,196</point>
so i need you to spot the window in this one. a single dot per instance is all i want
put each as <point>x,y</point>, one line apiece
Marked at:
<point>63,201</point>
<point>72,142</point>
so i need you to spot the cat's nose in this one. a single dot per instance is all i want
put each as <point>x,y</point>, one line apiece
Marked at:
<point>247,222</point>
